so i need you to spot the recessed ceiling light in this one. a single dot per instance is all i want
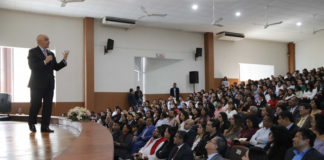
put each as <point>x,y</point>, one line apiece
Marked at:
<point>237,14</point>
<point>299,23</point>
<point>194,6</point>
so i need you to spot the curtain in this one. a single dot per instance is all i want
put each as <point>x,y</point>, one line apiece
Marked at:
<point>6,70</point>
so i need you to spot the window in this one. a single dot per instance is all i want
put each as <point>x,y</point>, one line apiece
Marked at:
<point>255,71</point>
<point>15,73</point>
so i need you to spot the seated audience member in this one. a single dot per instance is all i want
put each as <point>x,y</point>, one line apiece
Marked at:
<point>181,151</point>
<point>294,108</point>
<point>219,108</point>
<point>163,120</point>
<point>230,110</point>
<point>122,145</point>
<point>191,131</point>
<point>286,119</point>
<point>116,130</point>
<point>223,122</point>
<point>290,94</point>
<point>183,116</point>
<point>255,153</point>
<point>235,128</point>
<point>303,143</point>
<point>318,128</point>
<point>260,138</point>
<point>279,143</point>
<point>264,111</point>
<point>148,151</point>
<point>168,144</point>
<point>273,101</point>
<point>315,107</point>
<point>142,138</point>
<point>305,119</point>
<point>116,115</point>
<point>200,133</point>
<point>204,117</point>
<point>130,120</point>
<point>310,91</point>
<point>172,118</point>
<point>214,147</point>
<point>248,130</point>
<point>212,130</point>
<point>261,102</point>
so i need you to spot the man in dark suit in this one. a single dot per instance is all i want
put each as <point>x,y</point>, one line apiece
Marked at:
<point>131,99</point>
<point>174,91</point>
<point>286,119</point>
<point>214,147</point>
<point>181,151</point>
<point>303,143</point>
<point>42,63</point>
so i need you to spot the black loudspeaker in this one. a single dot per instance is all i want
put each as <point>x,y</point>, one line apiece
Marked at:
<point>5,103</point>
<point>198,53</point>
<point>193,77</point>
<point>110,45</point>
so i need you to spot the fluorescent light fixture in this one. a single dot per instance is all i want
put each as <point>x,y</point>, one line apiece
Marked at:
<point>299,23</point>
<point>194,7</point>
<point>237,14</point>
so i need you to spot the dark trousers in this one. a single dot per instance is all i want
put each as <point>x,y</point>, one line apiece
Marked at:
<point>41,97</point>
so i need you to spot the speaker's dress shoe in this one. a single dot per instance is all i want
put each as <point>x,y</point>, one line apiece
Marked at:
<point>32,127</point>
<point>47,130</point>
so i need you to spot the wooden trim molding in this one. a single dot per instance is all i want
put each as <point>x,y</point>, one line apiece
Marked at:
<point>209,60</point>
<point>110,100</point>
<point>291,57</point>
<point>88,44</point>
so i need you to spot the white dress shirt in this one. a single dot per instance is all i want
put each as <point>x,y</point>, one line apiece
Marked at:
<point>260,138</point>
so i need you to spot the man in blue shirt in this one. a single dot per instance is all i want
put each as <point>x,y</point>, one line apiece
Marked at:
<point>303,147</point>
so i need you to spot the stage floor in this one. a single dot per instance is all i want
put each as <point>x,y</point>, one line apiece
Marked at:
<point>17,142</point>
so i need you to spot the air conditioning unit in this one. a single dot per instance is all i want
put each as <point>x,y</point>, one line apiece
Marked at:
<point>118,22</point>
<point>229,36</point>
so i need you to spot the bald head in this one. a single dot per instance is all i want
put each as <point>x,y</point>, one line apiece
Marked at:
<point>43,41</point>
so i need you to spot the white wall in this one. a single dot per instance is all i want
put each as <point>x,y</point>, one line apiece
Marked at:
<point>114,71</point>
<point>162,73</point>
<point>19,29</point>
<point>228,55</point>
<point>310,52</point>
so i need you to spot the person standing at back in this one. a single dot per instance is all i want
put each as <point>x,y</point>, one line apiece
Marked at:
<point>175,92</point>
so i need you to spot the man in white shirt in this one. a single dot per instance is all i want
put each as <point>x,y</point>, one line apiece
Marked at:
<point>153,145</point>
<point>214,147</point>
<point>260,138</point>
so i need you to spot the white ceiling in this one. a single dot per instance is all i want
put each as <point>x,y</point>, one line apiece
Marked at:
<point>182,17</point>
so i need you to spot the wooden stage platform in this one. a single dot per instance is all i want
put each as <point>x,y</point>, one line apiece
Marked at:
<point>70,140</point>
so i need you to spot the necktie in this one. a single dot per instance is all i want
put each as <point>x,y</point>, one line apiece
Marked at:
<point>175,153</point>
<point>45,53</point>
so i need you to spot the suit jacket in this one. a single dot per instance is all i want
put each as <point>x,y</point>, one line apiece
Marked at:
<point>42,74</point>
<point>312,154</point>
<point>217,157</point>
<point>123,150</point>
<point>307,123</point>
<point>293,130</point>
<point>184,153</point>
<point>131,99</point>
<point>147,133</point>
<point>177,92</point>
<point>191,135</point>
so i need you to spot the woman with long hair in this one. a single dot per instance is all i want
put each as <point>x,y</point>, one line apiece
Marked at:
<point>166,148</point>
<point>235,128</point>
<point>278,143</point>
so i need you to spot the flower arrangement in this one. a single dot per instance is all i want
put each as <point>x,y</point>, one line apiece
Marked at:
<point>79,114</point>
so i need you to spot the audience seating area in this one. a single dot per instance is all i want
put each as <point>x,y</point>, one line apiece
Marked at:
<point>273,118</point>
